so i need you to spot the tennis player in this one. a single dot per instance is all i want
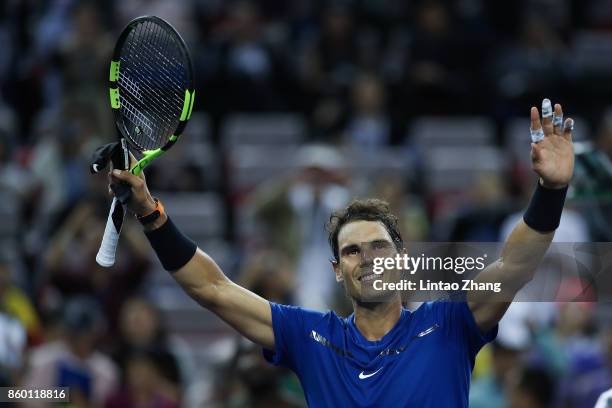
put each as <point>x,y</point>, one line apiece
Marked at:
<point>382,355</point>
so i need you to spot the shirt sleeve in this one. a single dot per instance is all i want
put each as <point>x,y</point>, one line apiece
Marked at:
<point>291,330</point>
<point>462,327</point>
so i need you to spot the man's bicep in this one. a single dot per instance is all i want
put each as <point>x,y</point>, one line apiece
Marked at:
<point>489,307</point>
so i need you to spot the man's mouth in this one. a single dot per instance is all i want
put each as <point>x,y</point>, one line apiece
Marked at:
<point>367,277</point>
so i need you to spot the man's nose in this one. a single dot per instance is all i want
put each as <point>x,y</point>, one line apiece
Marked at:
<point>367,256</point>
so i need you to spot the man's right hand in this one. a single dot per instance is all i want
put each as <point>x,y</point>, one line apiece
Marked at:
<point>141,202</point>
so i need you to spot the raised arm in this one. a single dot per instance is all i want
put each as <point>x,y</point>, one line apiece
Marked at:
<point>553,160</point>
<point>197,273</point>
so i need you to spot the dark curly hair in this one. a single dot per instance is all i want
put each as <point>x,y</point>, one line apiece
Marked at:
<point>370,209</point>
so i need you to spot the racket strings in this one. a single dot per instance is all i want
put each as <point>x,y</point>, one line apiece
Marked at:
<point>152,82</point>
<point>136,113</point>
<point>132,86</point>
<point>159,111</point>
<point>164,67</point>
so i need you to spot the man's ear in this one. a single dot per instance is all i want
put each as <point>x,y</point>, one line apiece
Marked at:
<point>337,270</point>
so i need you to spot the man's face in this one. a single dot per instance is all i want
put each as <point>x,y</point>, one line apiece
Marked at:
<point>359,242</point>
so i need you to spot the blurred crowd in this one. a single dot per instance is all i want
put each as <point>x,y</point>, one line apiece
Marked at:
<point>360,73</point>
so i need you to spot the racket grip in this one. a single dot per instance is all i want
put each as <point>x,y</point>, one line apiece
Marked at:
<point>112,231</point>
<point>122,191</point>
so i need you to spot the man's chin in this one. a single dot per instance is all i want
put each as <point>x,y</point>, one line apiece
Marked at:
<point>368,294</point>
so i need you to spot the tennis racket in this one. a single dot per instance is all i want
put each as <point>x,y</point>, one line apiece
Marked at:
<point>151,95</point>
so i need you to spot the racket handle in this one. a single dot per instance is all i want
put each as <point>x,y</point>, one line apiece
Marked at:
<point>108,247</point>
<point>122,191</point>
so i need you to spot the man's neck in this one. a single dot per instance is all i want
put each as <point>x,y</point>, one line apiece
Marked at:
<point>374,320</point>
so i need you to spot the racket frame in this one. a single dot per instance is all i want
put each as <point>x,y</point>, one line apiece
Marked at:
<point>149,155</point>
<point>108,246</point>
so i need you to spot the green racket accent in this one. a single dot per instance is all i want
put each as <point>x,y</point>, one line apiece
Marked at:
<point>173,138</point>
<point>114,98</point>
<point>191,104</point>
<point>149,156</point>
<point>186,105</point>
<point>114,71</point>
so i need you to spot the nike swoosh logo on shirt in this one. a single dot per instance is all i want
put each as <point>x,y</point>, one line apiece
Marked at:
<point>427,331</point>
<point>363,376</point>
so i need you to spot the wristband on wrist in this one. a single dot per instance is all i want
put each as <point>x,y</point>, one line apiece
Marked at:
<point>545,208</point>
<point>172,247</point>
<point>152,216</point>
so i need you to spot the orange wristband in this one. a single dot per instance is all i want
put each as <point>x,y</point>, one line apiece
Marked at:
<point>155,214</point>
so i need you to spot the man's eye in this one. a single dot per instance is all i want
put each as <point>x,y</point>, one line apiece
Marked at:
<point>353,251</point>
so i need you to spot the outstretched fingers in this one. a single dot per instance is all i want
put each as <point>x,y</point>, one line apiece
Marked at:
<point>568,128</point>
<point>547,117</point>
<point>558,120</point>
<point>537,134</point>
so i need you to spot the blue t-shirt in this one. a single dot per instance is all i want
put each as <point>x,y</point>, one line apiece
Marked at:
<point>426,359</point>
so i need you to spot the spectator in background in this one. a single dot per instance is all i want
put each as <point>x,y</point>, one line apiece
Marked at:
<point>292,214</point>
<point>589,373</point>
<point>369,125</point>
<point>529,66</point>
<point>13,341</point>
<point>326,68</point>
<point>54,24</point>
<point>251,78</point>
<point>598,213</point>
<point>70,260</point>
<point>73,361</point>
<point>269,273</point>
<point>247,379</point>
<point>14,179</point>
<point>142,337</point>
<point>533,388</point>
<point>333,61</point>
<point>16,190</point>
<point>604,133</point>
<point>489,390</point>
<point>482,212</point>
<point>16,304</point>
<point>569,339</point>
<point>435,55</point>
<point>409,207</point>
<point>144,385</point>
<point>61,154</point>
<point>82,52</point>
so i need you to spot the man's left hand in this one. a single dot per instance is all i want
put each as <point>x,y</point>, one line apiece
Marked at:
<point>552,158</point>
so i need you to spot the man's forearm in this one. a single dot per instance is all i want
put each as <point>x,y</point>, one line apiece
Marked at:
<point>522,252</point>
<point>531,237</point>
<point>194,270</point>
<point>524,248</point>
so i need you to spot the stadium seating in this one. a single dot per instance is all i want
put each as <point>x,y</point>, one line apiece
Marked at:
<point>272,129</point>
